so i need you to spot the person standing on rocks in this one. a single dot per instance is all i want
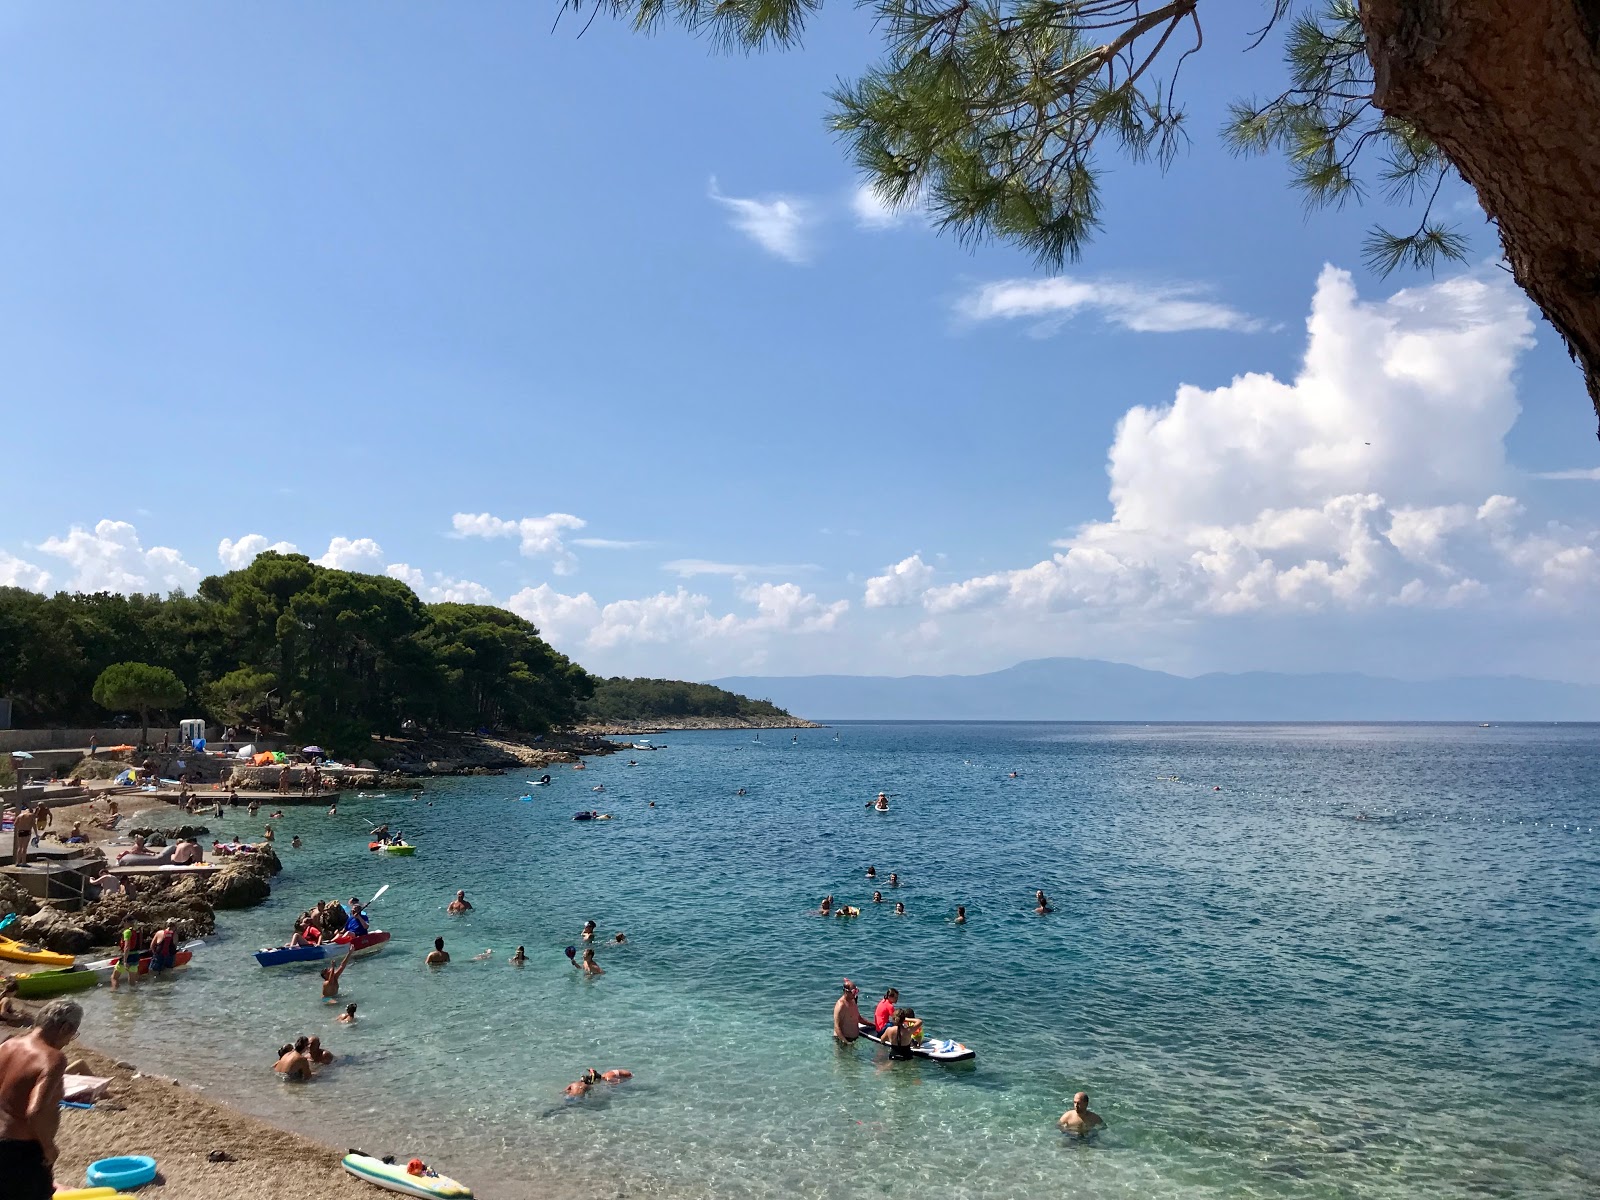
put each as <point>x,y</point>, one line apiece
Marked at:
<point>31,1070</point>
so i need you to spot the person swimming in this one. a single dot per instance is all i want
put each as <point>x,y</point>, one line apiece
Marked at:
<point>520,957</point>
<point>894,880</point>
<point>961,914</point>
<point>872,871</point>
<point>899,909</point>
<point>847,910</point>
<point>295,841</point>
<point>588,931</point>
<point>332,975</point>
<point>348,1017</point>
<point>437,956</point>
<point>826,906</point>
<point>460,904</point>
<point>1041,903</point>
<point>588,966</point>
<point>1078,1118</point>
<point>877,897</point>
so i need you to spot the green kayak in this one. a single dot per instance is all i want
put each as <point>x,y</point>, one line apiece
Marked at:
<point>53,983</point>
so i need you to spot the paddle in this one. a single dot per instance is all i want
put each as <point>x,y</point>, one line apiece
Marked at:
<point>375,896</point>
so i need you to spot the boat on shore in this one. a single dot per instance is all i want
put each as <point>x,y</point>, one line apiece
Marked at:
<point>22,952</point>
<point>37,984</point>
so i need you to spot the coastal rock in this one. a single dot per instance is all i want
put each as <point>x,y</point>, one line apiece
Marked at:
<point>14,899</point>
<point>240,884</point>
<point>56,930</point>
<point>103,920</point>
<point>175,834</point>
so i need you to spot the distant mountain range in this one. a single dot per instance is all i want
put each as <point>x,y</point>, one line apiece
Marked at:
<point>1081,689</point>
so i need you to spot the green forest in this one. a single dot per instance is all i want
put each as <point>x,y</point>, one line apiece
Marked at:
<point>285,645</point>
<point>619,699</point>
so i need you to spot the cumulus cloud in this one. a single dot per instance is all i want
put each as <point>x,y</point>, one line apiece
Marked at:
<point>110,558</point>
<point>442,589</point>
<point>874,212</point>
<point>900,584</point>
<point>1361,483</point>
<point>236,555</point>
<point>1139,307</point>
<point>778,225</point>
<point>16,572</point>
<point>352,554</point>
<point>676,616</point>
<point>538,537</point>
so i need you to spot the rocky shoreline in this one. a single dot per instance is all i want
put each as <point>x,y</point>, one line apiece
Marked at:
<point>685,724</point>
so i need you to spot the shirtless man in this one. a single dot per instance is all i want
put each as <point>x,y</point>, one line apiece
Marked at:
<point>188,852</point>
<point>316,1053</point>
<point>1078,1118</point>
<point>846,1014</point>
<point>330,975</point>
<point>588,966</point>
<point>460,904</point>
<point>292,1061</point>
<point>21,835</point>
<point>1041,903</point>
<point>437,956</point>
<point>31,1067</point>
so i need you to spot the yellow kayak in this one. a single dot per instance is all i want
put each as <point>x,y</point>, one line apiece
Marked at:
<point>21,952</point>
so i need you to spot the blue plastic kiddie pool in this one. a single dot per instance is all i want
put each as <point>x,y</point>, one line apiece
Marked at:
<point>128,1171</point>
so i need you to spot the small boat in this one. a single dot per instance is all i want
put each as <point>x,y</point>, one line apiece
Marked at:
<point>396,1178</point>
<point>182,958</point>
<point>400,848</point>
<point>52,983</point>
<point>24,953</point>
<point>933,1049</point>
<point>365,943</point>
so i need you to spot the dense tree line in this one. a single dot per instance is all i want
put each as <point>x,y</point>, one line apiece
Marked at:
<point>620,699</point>
<point>286,645</point>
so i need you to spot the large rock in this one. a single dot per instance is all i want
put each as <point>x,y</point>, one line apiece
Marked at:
<point>105,919</point>
<point>15,899</point>
<point>240,884</point>
<point>56,930</point>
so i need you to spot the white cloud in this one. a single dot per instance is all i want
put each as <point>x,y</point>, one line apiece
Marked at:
<point>900,584</point>
<point>16,572</point>
<point>236,555</point>
<point>539,537</point>
<point>1358,484</point>
<point>872,211</point>
<point>689,568</point>
<point>574,622</point>
<point>443,589</point>
<point>1140,307</point>
<point>1576,473</point>
<point>110,558</point>
<point>352,554</point>
<point>592,543</point>
<point>778,225</point>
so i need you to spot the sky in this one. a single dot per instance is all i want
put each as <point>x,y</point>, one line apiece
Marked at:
<point>604,329</point>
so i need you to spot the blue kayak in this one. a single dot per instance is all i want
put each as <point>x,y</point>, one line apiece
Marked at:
<point>276,956</point>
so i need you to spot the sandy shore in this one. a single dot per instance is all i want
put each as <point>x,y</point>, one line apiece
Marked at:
<point>178,1127</point>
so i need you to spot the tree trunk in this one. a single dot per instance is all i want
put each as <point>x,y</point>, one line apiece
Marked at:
<point>1510,91</point>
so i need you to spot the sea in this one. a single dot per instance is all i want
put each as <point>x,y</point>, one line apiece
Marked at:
<point>1296,961</point>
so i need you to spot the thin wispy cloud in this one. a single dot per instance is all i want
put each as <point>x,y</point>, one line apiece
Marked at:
<point>1138,307</point>
<point>593,543</point>
<point>874,212</point>
<point>778,225</point>
<point>1575,473</point>
<point>689,568</point>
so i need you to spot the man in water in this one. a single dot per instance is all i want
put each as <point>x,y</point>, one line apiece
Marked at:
<point>884,1012</point>
<point>846,1014</point>
<point>1078,1118</point>
<point>331,975</point>
<point>293,1062</point>
<point>460,904</point>
<point>31,1068</point>
<point>348,1017</point>
<point>1041,903</point>
<point>961,914</point>
<point>437,956</point>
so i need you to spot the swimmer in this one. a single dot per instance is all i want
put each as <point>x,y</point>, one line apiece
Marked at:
<point>292,1061</point>
<point>620,940</point>
<point>827,905</point>
<point>1013,775</point>
<point>599,787</point>
<point>894,880</point>
<point>1078,1118</point>
<point>588,931</point>
<point>437,956</point>
<point>295,841</point>
<point>588,966</point>
<point>484,957</point>
<point>316,1053</point>
<point>872,872</point>
<point>652,804</point>
<point>961,914</point>
<point>847,910</point>
<point>460,904</point>
<point>740,792</point>
<point>348,1016</point>
<point>333,810</point>
<point>846,1014</point>
<point>1041,903</point>
<point>899,909</point>
<point>579,1087</point>
<point>615,1075</point>
<point>331,975</point>
<point>632,763</point>
<point>520,957</point>
<point>877,897</point>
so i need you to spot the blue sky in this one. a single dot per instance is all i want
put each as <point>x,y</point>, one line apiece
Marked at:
<point>394,284</point>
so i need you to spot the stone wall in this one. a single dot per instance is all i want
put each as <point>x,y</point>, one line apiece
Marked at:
<point>76,739</point>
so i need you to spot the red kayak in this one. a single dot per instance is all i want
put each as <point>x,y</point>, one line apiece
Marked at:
<point>364,943</point>
<point>181,959</point>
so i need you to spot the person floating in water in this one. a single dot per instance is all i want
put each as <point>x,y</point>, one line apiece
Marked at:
<point>899,909</point>
<point>1041,903</point>
<point>894,880</point>
<point>877,897</point>
<point>1078,1118</point>
<point>827,905</point>
<point>1013,775</point>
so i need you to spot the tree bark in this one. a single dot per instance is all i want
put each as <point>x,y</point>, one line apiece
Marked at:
<point>1510,91</point>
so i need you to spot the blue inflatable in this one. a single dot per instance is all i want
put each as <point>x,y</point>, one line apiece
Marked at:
<point>129,1171</point>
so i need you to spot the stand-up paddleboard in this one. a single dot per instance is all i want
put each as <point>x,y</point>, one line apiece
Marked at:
<point>396,1178</point>
<point>933,1049</point>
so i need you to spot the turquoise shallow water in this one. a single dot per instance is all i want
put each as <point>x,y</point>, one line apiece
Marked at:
<point>1264,995</point>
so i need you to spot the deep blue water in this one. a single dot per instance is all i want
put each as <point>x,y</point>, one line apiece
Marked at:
<point>1264,995</point>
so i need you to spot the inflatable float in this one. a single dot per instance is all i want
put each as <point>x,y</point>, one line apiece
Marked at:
<point>933,1049</point>
<point>396,1178</point>
<point>127,1171</point>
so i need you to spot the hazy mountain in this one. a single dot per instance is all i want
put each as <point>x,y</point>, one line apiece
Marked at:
<point>1080,689</point>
